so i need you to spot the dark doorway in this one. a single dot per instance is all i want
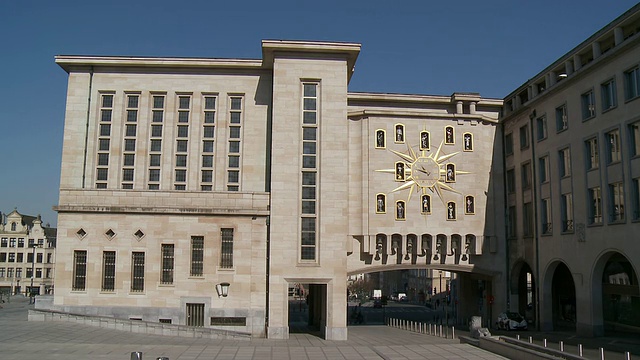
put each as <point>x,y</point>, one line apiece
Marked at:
<point>620,297</point>
<point>527,294</point>
<point>307,308</point>
<point>195,315</point>
<point>564,299</point>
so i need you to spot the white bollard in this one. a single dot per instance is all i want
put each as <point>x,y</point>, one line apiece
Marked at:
<point>518,337</point>
<point>601,353</point>
<point>453,332</point>
<point>544,342</point>
<point>580,349</point>
<point>627,355</point>
<point>530,339</point>
<point>561,346</point>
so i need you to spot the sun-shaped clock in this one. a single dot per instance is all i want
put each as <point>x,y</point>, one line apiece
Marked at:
<point>422,171</point>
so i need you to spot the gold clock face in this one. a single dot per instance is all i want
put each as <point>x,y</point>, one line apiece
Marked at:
<point>425,171</point>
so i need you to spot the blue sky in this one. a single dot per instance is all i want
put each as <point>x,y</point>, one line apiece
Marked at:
<point>417,47</point>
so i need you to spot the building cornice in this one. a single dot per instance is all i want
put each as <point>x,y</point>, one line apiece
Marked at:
<point>72,62</point>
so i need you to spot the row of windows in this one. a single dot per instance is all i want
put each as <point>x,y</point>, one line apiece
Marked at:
<point>19,257</point>
<point>182,137</point>
<point>16,273</point>
<point>19,242</point>
<point>616,210</point>
<point>425,138</point>
<point>167,266</point>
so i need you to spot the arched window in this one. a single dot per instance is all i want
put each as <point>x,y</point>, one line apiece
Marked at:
<point>13,226</point>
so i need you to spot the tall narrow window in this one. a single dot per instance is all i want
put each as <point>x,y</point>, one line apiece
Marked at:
<point>567,212</point>
<point>592,153</point>
<point>137,271</point>
<point>608,90</point>
<point>595,205</point>
<point>588,102</point>
<point>635,200</point>
<point>542,127</point>
<point>197,255</point>
<point>527,220</point>
<point>508,144</point>
<point>235,148</point>
<point>309,170</point>
<point>544,169</point>
<point>129,147</point>
<point>616,202</point>
<point>632,83</point>
<point>104,139</point>
<point>562,120</point>
<point>79,270</point>
<point>167,264</point>
<point>565,162</point>
<point>511,181</point>
<point>182,143</point>
<point>208,136</point>
<point>545,216</point>
<point>155,142</point>
<point>226,249</point>
<point>524,137</point>
<point>613,146</point>
<point>108,270</point>
<point>634,137</point>
<point>526,175</point>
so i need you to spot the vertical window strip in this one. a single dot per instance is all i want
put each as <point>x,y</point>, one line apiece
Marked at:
<point>79,270</point>
<point>129,147</point>
<point>208,138</point>
<point>167,264</point>
<point>308,235</point>
<point>108,270</point>
<point>137,271</point>
<point>226,252</point>
<point>104,139</point>
<point>234,139</point>
<point>155,141</point>
<point>197,255</point>
<point>182,143</point>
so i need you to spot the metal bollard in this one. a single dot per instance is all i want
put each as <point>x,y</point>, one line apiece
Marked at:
<point>136,355</point>
<point>518,337</point>
<point>601,353</point>
<point>544,342</point>
<point>453,332</point>
<point>580,349</point>
<point>627,355</point>
<point>561,346</point>
<point>440,330</point>
<point>530,339</point>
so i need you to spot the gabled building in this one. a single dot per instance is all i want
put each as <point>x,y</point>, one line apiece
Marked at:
<point>27,255</point>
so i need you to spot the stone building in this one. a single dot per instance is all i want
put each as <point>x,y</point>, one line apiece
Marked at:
<point>27,255</point>
<point>185,177</point>
<point>572,157</point>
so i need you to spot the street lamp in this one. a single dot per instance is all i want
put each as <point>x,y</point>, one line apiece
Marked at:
<point>33,273</point>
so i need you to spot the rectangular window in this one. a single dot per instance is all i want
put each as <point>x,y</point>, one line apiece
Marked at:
<point>197,255</point>
<point>137,271</point>
<point>524,137</point>
<point>511,222</point>
<point>567,212</point>
<point>12,257</point>
<point>542,127</point>
<point>511,181</point>
<point>565,162</point>
<point>226,250</point>
<point>108,270</point>
<point>562,120</point>
<point>308,244</point>
<point>526,175</point>
<point>592,153</point>
<point>207,176</point>
<point>181,175</point>
<point>207,161</point>
<point>616,201</point>
<point>609,100</point>
<point>595,205</point>
<point>635,201</point>
<point>167,264</point>
<point>233,138</point>
<point>545,216</point>
<point>632,83</point>
<point>544,169</point>
<point>508,144</point>
<point>588,101</point>
<point>634,137</point>
<point>309,154</point>
<point>613,146</point>
<point>79,270</point>
<point>527,220</point>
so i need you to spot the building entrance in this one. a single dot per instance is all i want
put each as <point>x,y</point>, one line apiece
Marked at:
<point>307,308</point>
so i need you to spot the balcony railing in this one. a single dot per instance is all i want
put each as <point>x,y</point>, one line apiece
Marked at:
<point>567,226</point>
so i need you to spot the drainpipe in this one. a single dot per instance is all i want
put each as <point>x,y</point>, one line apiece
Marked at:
<point>269,144</point>
<point>86,130</point>
<point>506,215</point>
<point>536,238</point>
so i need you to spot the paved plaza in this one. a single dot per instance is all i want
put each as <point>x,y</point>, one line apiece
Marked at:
<point>23,340</point>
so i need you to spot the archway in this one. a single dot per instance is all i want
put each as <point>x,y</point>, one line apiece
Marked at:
<point>563,306</point>
<point>523,291</point>
<point>620,296</point>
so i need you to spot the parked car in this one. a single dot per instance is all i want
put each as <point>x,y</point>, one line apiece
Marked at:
<point>511,321</point>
